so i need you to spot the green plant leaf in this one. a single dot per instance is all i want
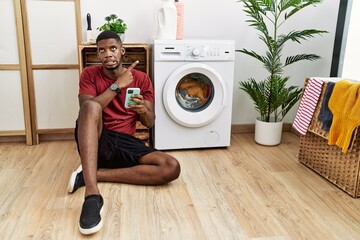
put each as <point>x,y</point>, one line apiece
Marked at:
<point>253,54</point>
<point>296,58</point>
<point>297,36</point>
<point>297,5</point>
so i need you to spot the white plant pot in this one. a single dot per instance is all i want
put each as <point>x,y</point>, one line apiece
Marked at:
<point>268,133</point>
<point>122,37</point>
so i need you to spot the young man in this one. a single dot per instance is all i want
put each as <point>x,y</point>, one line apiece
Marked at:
<point>104,129</point>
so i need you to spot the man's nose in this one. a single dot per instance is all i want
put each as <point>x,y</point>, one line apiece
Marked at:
<point>108,53</point>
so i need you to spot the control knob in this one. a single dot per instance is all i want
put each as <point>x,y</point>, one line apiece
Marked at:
<point>195,52</point>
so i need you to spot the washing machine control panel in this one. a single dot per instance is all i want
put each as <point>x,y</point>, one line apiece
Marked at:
<point>194,52</point>
<point>208,52</point>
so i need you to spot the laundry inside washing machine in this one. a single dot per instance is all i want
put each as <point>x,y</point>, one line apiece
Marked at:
<point>194,92</point>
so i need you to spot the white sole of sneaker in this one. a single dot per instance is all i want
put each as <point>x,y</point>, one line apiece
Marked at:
<point>71,182</point>
<point>94,229</point>
<point>91,230</point>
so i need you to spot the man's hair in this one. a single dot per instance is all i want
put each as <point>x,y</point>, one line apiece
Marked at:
<point>108,34</point>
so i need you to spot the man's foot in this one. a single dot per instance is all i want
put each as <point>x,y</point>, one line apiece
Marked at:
<point>90,218</point>
<point>76,180</point>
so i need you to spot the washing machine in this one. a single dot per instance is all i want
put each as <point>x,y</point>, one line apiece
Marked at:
<point>193,84</point>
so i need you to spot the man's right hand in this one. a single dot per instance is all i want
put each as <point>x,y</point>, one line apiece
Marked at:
<point>126,77</point>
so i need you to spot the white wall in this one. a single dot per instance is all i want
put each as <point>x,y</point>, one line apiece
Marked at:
<point>225,19</point>
<point>349,65</point>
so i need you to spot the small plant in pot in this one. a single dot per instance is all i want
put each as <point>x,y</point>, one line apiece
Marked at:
<point>272,97</point>
<point>115,24</point>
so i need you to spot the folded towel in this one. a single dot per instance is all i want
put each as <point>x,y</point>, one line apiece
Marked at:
<point>344,104</point>
<point>307,105</point>
<point>325,115</point>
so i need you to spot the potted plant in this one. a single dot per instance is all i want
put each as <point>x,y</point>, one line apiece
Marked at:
<point>115,24</point>
<point>272,97</point>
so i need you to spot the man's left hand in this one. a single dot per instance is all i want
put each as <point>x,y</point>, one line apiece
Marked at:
<point>140,106</point>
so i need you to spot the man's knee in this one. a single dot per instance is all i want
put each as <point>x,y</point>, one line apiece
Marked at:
<point>90,108</point>
<point>172,169</point>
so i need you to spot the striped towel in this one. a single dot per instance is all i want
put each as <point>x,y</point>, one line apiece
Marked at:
<point>307,105</point>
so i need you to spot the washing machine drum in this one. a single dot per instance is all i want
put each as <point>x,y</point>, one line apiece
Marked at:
<point>194,95</point>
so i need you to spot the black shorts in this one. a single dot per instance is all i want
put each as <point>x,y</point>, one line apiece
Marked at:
<point>118,150</point>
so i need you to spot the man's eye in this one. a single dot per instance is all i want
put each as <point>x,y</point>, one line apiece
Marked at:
<point>113,48</point>
<point>101,50</point>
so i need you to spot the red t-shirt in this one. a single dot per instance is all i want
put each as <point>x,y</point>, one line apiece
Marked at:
<point>116,117</point>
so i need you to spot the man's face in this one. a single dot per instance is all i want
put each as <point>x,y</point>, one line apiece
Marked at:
<point>110,53</point>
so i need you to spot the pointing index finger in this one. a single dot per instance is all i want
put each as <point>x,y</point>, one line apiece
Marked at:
<point>131,67</point>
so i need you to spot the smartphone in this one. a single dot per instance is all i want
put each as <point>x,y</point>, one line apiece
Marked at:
<point>129,93</point>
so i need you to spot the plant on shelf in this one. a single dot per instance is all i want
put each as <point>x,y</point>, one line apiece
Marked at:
<point>272,97</point>
<point>114,23</point>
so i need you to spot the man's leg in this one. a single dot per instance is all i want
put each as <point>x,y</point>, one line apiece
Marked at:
<point>89,129</point>
<point>154,168</point>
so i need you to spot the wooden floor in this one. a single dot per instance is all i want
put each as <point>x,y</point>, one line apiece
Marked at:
<point>246,191</point>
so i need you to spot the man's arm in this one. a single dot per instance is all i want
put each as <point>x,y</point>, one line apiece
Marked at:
<point>107,96</point>
<point>103,99</point>
<point>147,115</point>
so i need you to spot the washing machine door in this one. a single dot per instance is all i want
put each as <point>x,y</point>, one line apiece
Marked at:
<point>194,95</point>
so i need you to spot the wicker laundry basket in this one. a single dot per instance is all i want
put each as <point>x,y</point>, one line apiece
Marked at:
<point>328,160</point>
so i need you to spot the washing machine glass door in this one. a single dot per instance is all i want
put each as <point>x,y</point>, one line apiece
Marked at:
<point>194,95</point>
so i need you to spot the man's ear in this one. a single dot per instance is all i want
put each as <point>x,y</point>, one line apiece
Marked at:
<point>122,50</point>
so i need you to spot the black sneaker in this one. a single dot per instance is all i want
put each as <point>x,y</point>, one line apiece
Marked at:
<point>90,218</point>
<point>76,180</point>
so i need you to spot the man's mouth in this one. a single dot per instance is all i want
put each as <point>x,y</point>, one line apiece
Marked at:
<point>110,62</point>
